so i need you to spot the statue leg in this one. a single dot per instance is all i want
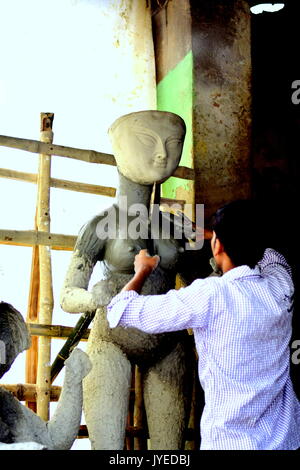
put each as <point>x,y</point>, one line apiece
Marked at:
<point>106,396</point>
<point>167,397</point>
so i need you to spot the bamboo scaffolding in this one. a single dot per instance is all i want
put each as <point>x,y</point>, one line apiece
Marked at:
<point>91,156</point>
<point>54,331</point>
<point>46,290</point>
<point>60,184</point>
<point>140,443</point>
<point>32,315</point>
<point>48,148</point>
<point>28,392</point>
<point>35,237</point>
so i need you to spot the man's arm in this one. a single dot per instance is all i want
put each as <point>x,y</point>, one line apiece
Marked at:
<point>274,267</point>
<point>188,307</point>
<point>272,261</point>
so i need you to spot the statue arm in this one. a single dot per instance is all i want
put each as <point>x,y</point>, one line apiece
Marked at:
<point>64,425</point>
<point>60,432</point>
<point>75,297</point>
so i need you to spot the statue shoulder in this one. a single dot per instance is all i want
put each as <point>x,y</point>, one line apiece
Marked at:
<point>90,241</point>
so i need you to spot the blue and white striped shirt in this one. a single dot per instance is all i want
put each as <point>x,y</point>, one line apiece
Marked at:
<point>242,328</point>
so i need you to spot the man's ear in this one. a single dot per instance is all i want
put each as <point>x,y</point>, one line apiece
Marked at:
<point>218,247</point>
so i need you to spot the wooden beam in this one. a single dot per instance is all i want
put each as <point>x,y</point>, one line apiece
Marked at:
<point>90,156</point>
<point>54,331</point>
<point>27,392</point>
<point>46,301</point>
<point>138,410</point>
<point>58,183</point>
<point>184,172</point>
<point>32,316</point>
<point>35,237</point>
<point>36,146</point>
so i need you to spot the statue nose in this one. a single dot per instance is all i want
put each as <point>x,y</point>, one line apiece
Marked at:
<point>160,155</point>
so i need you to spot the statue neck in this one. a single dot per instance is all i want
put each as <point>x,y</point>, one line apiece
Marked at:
<point>135,193</point>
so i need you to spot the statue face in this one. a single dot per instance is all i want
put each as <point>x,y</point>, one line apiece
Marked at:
<point>147,145</point>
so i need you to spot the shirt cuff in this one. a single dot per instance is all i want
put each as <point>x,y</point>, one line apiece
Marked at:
<point>117,306</point>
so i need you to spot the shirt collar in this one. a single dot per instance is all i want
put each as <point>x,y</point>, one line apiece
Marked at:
<point>240,272</point>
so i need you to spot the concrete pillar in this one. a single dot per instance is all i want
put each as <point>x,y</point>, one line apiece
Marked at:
<point>174,74</point>
<point>203,61</point>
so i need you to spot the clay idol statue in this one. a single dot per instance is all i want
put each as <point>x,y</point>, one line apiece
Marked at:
<point>147,147</point>
<point>20,427</point>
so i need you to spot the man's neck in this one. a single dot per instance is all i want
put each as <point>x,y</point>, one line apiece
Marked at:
<point>226,264</point>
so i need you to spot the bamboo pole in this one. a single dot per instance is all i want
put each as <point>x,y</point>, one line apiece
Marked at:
<point>77,333</point>
<point>129,441</point>
<point>167,202</point>
<point>46,291</point>
<point>28,392</point>
<point>34,237</point>
<point>138,411</point>
<point>90,156</point>
<point>31,363</point>
<point>60,184</point>
<point>54,331</point>
<point>48,148</point>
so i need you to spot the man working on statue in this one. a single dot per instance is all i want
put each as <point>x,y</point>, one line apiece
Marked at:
<point>242,328</point>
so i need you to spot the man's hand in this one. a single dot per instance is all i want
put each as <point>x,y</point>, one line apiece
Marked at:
<point>144,262</point>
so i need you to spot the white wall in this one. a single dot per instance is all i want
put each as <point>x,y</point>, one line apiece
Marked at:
<point>88,62</point>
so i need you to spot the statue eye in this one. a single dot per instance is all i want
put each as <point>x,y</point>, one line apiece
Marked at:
<point>174,142</point>
<point>146,139</point>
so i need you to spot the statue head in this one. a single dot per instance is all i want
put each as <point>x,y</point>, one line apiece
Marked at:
<point>147,145</point>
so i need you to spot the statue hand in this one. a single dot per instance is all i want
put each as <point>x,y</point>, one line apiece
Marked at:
<point>78,365</point>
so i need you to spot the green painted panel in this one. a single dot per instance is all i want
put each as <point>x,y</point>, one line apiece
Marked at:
<point>175,94</point>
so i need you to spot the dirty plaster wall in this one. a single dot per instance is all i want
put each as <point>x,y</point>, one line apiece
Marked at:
<point>222,101</point>
<point>174,75</point>
<point>203,73</point>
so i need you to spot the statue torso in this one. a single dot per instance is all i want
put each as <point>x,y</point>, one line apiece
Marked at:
<point>118,259</point>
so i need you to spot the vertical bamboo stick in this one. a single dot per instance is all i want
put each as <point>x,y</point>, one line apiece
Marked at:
<point>129,424</point>
<point>138,413</point>
<point>32,317</point>
<point>46,292</point>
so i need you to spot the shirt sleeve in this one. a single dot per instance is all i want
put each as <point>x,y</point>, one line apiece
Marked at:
<point>188,307</point>
<point>272,261</point>
<point>274,266</point>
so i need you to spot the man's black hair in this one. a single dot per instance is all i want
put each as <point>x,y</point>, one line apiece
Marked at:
<point>239,227</point>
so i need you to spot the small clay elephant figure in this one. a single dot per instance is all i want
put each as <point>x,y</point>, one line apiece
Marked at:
<point>147,147</point>
<point>20,425</point>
